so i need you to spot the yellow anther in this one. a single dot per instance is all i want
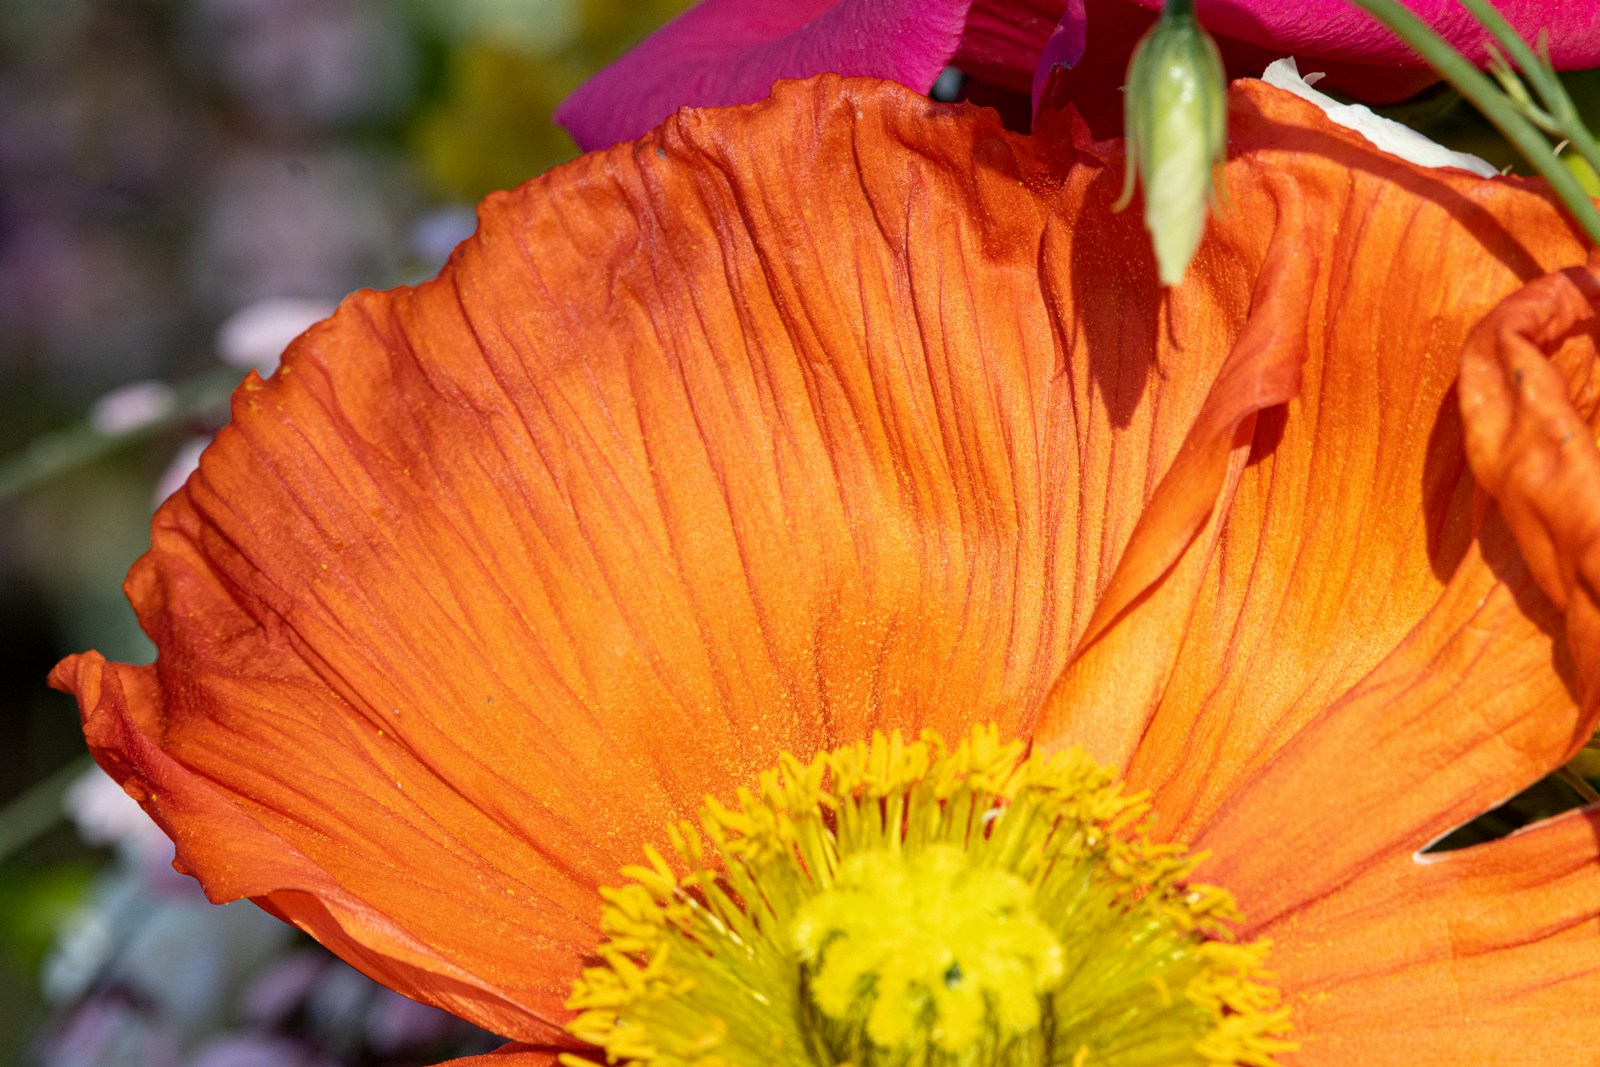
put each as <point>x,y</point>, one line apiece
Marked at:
<point>910,903</point>
<point>924,952</point>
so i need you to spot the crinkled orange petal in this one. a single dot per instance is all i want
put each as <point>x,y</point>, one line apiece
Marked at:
<point>238,852</point>
<point>1497,684</point>
<point>784,423</point>
<point>1355,506</point>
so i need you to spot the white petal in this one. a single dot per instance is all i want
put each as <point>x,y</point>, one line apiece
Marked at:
<point>1388,135</point>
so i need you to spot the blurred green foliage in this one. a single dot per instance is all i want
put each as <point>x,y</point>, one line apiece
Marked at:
<point>476,137</point>
<point>35,902</point>
<point>508,64</point>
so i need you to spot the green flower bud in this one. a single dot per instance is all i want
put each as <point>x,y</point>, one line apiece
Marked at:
<point>1177,128</point>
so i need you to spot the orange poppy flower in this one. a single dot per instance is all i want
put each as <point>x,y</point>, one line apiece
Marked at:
<point>849,412</point>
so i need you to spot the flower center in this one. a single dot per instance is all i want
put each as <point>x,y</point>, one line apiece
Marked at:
<point>922,955</point>
<point>911,904</point>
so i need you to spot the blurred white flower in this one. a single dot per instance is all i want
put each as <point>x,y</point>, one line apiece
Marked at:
<point>146,929</point>
<point>84,944</point>
<point>183,464</point>
<point>341,993</point>
<point>435,235</point>
<point>105,815</point>
<point>132,407</point>
<point>254,337</point>
<point>189,958</point>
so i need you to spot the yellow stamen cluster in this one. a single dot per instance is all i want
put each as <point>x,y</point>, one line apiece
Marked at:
<point>924,937</point>
<point>908,904</point>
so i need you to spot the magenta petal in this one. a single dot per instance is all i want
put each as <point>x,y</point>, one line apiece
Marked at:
<point>1339,30</point>
<point>731,51</point>
<point>1064,48</point>
<point>1005,38</point>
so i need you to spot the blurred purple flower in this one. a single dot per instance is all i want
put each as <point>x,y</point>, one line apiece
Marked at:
<point>106,1031</point>
<point>319,62</point>
<point>396,1023</point>
<point>254,1051</point>
<point>82,297</point>
<point>315,224</point>
<point>336,1000</point>
<point>148,973</point>
<point>282,987</point>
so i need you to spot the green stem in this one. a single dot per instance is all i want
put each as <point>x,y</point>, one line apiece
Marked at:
<point>80,444</point>
<point>1536,69</point>
<point>38,810</point>
<point>1579,784</point>
<point>1522,57</point>
<point>1481,90</point>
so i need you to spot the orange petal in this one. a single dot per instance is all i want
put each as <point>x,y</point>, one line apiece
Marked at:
<point>1433,962</point>
<point>1491,690</point>
<point>1468,710</point>
<point>237,855</point>
<point>513,1055</point>
<point>1342,530</point>
<point>752,436</point>
<point>1116,662</point>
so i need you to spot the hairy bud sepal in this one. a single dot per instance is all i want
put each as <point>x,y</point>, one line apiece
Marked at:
<point>1177,131</point>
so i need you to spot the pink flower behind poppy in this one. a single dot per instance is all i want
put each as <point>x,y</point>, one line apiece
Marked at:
<point>1334,37</point>
<point>731,51</point>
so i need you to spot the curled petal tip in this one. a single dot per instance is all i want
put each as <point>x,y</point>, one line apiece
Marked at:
<point>1529,412</point>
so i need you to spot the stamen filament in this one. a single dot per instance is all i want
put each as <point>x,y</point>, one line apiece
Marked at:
<point>908,904</point>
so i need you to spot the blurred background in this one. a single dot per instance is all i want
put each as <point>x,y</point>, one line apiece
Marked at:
<point>184,186</point>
